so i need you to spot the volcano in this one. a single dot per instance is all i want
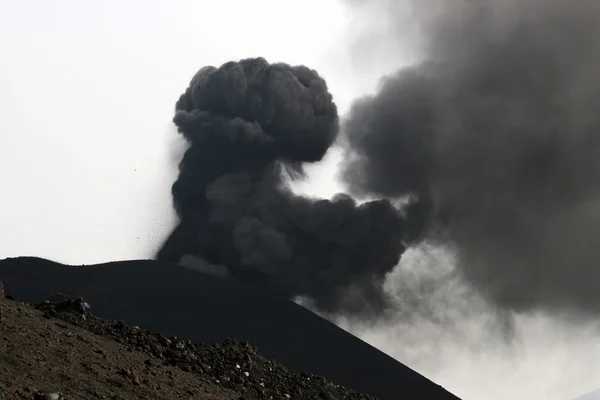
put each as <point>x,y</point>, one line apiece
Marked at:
<point>189,304</point>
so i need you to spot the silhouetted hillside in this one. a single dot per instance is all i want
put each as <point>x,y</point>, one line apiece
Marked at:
<point>173,300</point>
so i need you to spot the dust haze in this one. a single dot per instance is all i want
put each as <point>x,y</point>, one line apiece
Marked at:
<point>492,119</point>
<point>496,126</point>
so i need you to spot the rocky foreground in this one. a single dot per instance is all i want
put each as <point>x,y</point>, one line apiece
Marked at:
<point>58,350</point>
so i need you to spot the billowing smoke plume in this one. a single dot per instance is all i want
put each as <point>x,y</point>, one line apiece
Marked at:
<point>251,125</point>
<point>499,127</point>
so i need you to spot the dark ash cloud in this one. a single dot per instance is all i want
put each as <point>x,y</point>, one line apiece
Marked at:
<point>251,126</point>
<point>498,127</point>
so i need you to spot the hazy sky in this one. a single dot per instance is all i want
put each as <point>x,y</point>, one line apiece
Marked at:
<point>88,155</point>
<point>88,93</point>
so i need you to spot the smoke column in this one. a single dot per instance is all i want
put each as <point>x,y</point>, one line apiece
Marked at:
<point>498,127</point>
<point>251,126</point>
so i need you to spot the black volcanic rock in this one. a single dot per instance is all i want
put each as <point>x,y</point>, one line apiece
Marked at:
<point>177,301</point>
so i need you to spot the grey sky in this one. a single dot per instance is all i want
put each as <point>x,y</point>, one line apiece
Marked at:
<point>88,155</point>
<point>88,90</point>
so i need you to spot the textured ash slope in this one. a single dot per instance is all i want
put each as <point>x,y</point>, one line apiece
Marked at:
<point>44,356</point>
<point>176,301</point>
<point>60,351</point>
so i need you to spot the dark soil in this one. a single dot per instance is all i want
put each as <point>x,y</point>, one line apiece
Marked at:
<point>58,350</point>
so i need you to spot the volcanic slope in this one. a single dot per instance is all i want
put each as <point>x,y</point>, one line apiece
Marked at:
<point>174,300</point>
<point>58,350</point>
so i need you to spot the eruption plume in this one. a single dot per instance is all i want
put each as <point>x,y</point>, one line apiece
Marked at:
<point>498,126</point>
<point>250,126</point>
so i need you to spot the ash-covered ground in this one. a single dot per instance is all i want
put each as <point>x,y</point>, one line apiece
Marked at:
<point>58,350</point>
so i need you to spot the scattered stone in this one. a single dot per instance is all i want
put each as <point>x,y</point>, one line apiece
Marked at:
<point>235,366</point>
<point>48,396</point>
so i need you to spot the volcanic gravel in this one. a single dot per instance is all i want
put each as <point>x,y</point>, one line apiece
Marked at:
<point>58,350</point>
